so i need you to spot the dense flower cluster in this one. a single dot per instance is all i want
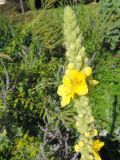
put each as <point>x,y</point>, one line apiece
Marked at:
<point>76,85</point>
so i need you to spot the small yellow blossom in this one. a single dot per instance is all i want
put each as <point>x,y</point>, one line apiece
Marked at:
<point>97,145</point>
<point>74,83</point>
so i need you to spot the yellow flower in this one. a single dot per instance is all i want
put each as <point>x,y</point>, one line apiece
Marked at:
<point>74,82</point>
<point>97,145</point>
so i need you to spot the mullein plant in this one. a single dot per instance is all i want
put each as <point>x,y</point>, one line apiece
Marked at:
<point>76,85</point>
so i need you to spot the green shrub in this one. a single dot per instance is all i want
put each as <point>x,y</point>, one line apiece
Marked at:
<point>49,31</point>
<point>29,103</point>
<point>106,97</point>
<point>5,32</point>
<point>110,12</point>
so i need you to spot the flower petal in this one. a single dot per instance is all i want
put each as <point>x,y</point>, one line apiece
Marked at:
<point>96,155</point>
<point>61,90</point>
<point>82,89</point>
<point>65,101</point>
<point>66,81</point>
<point>97,145</point>
<point>74,75</point>
<point>70,66</point>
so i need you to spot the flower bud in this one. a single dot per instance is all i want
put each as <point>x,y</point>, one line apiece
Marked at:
<point>95,132</point>
<point>94,82</point>
<point>82,50</point>
<point>70,66</point>
<point>88,71</point>
<point>81,144</point>
<point>91,119</point>
<point>77,148</point>
<point>67,72</point>
<point>87,134</point>
<point>77,124</point>
<point>79,58</point>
